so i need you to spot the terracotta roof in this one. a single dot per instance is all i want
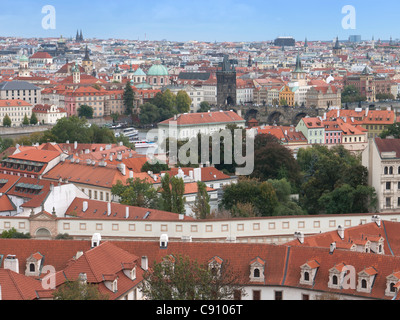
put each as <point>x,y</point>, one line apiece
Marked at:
<point>388,145</point>
<point>16,286</point>
<point>98,210</point>
<point>14,103</point>
<point>205,117</point>
<point>6,204</point>
<point>41,55</point>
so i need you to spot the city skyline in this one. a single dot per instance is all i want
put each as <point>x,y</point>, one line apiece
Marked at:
<point>218,20</point>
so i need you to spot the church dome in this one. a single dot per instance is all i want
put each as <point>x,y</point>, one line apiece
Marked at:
<point>157,70</point>
<point>23,58</point>
<point>139,72</point>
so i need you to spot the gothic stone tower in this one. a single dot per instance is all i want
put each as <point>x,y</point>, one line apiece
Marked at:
<point>226,84</point>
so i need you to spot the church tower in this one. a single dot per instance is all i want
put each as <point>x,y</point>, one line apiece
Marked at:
<point>337,49</point>
<point>76,74</point>
<point>117,76</point>
<point>23,70</point>
<point>86,62</point>
<point>226,84</point>
<point>298,74</point>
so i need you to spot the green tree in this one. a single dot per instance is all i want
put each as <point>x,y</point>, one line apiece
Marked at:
<point>85,111</point>
<point>25,122</point>
<point>101,134</point>
<point>351,94</point>
<point>129,98</point>
<point>71,128</point>
<point>33,120</point>
<point>6,121</point>
<point>136,192</point>
<point>272,160</point>
<point>14,234</point>
<point>180,278</point>
<point>149,113</point>
<point>5,143</point>
<point>155,168</point>
<point>204,107</point>
<point>201,207</point>
<point>183,102</point>
<point>177,192</point>
<point>166,195</point>
<point>78,290</point>
<point>391,130</point>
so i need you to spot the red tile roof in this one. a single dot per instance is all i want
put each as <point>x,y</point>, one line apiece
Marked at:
<point>206,117</point>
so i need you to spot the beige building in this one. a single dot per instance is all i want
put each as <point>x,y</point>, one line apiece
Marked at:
<point>23,90</point>
<point>382,159</point>
<point>16,111</point>
<point>323,97</point>
<point>48,114</point>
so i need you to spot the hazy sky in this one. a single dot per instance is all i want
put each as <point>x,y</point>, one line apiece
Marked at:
<point>202,20</point>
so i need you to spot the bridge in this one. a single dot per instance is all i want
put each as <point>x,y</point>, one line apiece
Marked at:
<point>280,115</point>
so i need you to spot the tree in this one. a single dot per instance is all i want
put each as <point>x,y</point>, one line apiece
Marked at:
<point>6,121</point>
<point>172,190</point>
<point>272,160</point>
<point>101,134</point>
<point>14,234</point>
<point>183,102</point>
<point>34,120</point>
<point>78,290</point>
<point>201,206</point>
<point>351,94</point>
<point>155,168</point>
<point>129,98</point>
<point>5,143</point>
<point>149,113</point>
<point>72,128</point>
<point>180,278</point>
<point>136,192</point>
<point>85,111</point>
<point>25,122</point>
<point>391,130</point>
<point>332,180</point>
<point>204,107</point>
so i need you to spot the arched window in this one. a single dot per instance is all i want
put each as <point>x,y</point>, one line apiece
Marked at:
<point>392,287</point>
<point>256,273</point>
<point>32,267</point>
<point>386,170</point>
<point>364,284</point>
<point>390,170</point>
<point>335,280</point>
<point>306,276</point>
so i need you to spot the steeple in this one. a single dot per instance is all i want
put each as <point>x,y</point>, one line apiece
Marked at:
<point>305,43</point>
<point>86,58</point>
<point>298,65</point>
<point>81,36</point>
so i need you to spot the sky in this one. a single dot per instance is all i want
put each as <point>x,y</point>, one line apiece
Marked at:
<point>202,20</point>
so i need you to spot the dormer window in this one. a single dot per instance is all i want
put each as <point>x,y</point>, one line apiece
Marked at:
<point>129,270</point>
<point>308,272</point>
<point>110,281</point>
<point>392,284</point>
<point>257,269</point>
<point>366,279</point>
<point>215,266</point>
<point>336,276</point>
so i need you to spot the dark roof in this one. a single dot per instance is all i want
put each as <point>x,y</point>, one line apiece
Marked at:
<point>194,75</point>
<point>388,145</point>
<point>17,85</point>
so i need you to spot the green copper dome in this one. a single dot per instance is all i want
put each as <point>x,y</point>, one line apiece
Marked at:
<point>24,58</point>
<point>157,70</point>
<point>139,72</point>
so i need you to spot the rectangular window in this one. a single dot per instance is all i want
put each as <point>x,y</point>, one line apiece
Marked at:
<point>256,294</point>
<point>256,226</point>
<point>82,226</point>
<point>300,224</point>
<point>115,227</point>
<point>209,228</point>
<point>147,227</point>
<point>164,228</point>
<point>178,228</point>
<point>332,223</point>
<point>66,226</point>
<point>271,225</point>
<point>285,225</point>
<point>317,224</point>
<point>278,295</point>
<point>193,228</point>
<point>99,226</point>
<point>388,185</point>
<point>240,227</point>
<point>224,228</point>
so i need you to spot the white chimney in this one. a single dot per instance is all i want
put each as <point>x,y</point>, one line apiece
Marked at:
<point>96,238</point>
<point>145,263</point>
<point>299,236</point>
<point>108,208</point>
<point>130,174</point>
<point>126,212</point>
<point>197,174</point>
<point>341,231</point>
<point>75,145</point>
<point>332,247</point>
<point>82,278</point>
<point>164,241</point>
<point>377,220</point>
<point>122,168</point>
<point>119,156</point>
<point>85,206</point>
<point>78,255</point>
<point>181,216</point>
<point>11,263</point>
<point>111,157</point>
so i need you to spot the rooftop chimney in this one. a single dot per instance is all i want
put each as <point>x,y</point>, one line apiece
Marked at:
<point>11,263</point>
<point>145,263</point>
<point>299,236</point>
<point>341,232</point>
<point>108,208</point>
<point>122,168</point>
<point>96,238</point>
<point>130,174</point>
<point>126,212</point>
<point>85,206</point>
<point>332,247</point>
<point>377,219</point>
<point>164,241</point>
<point>75,145</point>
